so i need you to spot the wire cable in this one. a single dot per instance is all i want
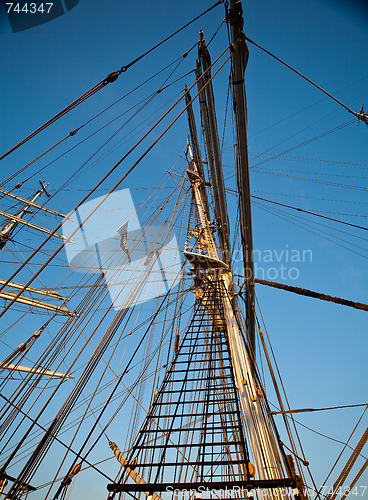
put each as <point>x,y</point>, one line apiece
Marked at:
<point>361,115</point>
<point>112,77</point>
<point>311,213</point>
<point>73,132</point>
<point>121,179</point>
<point>55,437</point>
<point>124,68</point>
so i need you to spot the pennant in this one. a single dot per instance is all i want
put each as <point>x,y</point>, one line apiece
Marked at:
<point>122,231</point>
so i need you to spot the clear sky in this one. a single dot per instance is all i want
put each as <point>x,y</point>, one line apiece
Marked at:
<point>321,165</point>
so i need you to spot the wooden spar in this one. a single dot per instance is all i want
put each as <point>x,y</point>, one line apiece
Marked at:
<point>134,475</point>
<point>36,303</point>
<point>207,106</point>
<point>316,295</point>
<point>29,202</point>
<point>238,64</point>
<point>236,486</point>
<point>196,182</point>
<point>49,293</point>
<point>15,218</point>
<point>19,368</point>
<point>196,150</point>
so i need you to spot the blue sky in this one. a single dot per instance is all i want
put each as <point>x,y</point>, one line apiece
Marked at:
<point>321,347</point>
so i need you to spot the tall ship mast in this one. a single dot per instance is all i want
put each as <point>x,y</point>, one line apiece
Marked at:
<point>145,370</point>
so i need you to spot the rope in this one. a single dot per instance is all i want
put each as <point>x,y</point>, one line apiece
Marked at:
<point>112,77</point>
<point>288,219</point>
<point>153,220</point>
<point>311,213</point>
<point>57,439</point>
<point>305,211</point>
<point>117,384</point>
<point>349,464</point>
<point>302,410</point>
<point>288,406</point>
<point>119,182</point>
<point>357,477</point>
<point>308,141</point>
<point>124,68</point>
<point>361,115</point>
<point>61,113</point>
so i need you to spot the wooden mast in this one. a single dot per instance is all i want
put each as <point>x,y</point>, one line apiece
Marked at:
<point>207,106</point>
<point>6,231</point>
<point>238,65</point>
<point>261,439</point>
<point>195,144</point>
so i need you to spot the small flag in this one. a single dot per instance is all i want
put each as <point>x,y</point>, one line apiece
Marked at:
<point>122,230</point>
<point>148,258</point>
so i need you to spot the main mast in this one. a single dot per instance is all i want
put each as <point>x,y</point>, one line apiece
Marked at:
<point>238,65</point>
<point>211,413</point>
<point>271,467</point>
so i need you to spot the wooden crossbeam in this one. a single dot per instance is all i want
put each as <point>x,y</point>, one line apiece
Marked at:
<point>32,203</point>
<point>49,293</point>
<point>39,228</point>
<point>208,486</point>
<point>36,303</point>
<point>26,369</point>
